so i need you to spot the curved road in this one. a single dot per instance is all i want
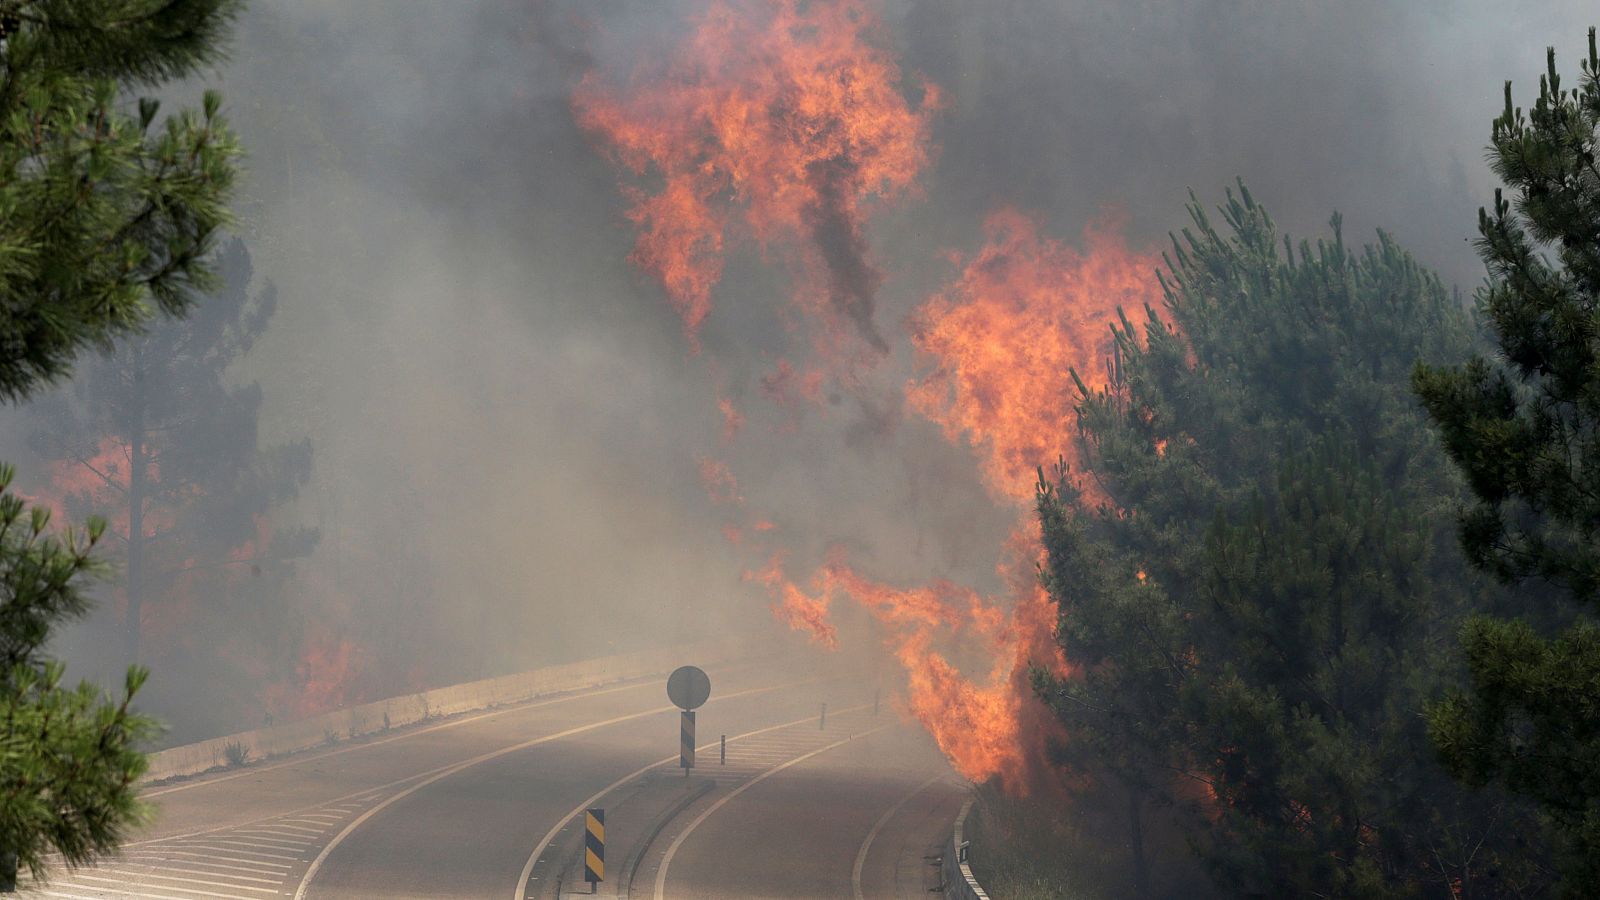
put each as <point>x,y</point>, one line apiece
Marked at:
<point>456,808</point>
<point>859,818</point>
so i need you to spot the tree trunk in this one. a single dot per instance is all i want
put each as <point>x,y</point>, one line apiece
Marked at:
<point>8,872</point>
<point>137,463</point>
<point>1141,872</point>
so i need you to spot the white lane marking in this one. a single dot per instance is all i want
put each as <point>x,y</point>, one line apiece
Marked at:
<point>210,855</point>
<point>301,818</point>
<point>103,897</point>
<point>275,839</point>
<point>521,890</point>
<point>290,816</point>
<point>141,893</point>
<point>235,848</point>
<point>672,848</point>
<point>248,848</point>
<point>311,871</point>
<point>257,770</point>
<point>131,865</point>
<point>296,829</point>
<point>286,837</point>
<point>174,887</point>
<point>202,860</point>
<point>866,844</point>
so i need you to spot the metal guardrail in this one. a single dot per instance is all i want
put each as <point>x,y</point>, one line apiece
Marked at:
<point>959,883</point>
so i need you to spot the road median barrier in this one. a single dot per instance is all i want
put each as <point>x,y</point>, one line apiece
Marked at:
<point>685,798</point>
<point>408,709</point>
<point>959,883</point>
<point>637,812</point>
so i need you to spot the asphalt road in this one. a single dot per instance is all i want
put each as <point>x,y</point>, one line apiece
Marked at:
<point>457,808</point>
<point>859,816</point>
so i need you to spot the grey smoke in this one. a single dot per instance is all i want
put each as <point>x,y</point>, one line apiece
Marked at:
<point>504,415</point>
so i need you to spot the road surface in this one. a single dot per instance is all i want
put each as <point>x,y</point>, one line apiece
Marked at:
<point>483,805</point>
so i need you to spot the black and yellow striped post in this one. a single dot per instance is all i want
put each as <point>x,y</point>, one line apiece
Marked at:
<point>594,846</point>
<point>686,742</point>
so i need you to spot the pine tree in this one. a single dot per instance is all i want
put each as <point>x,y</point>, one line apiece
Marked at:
<point>106,219</point>
<point>106,215</point>
<point>68,757</point>
<point>1262,601</point>
<point>157,438</point>
<point>1525,430</point>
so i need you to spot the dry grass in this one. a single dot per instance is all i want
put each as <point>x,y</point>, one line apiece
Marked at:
<point>1021,851</point>
<point>1074,850</point>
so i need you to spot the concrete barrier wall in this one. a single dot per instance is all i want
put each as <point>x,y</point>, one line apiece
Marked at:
<point>368,718</point>
<point>958,881</point>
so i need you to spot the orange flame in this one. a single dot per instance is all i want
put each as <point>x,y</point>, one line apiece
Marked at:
<point>785,119</point>
<point>785,116</point>
<point>1001,340</point>
<point>326,678</point>
<point>793,606</point>
<point>169,620</point>
<point>99,482</point>
<point>988,727</point>
<point>327,670</point>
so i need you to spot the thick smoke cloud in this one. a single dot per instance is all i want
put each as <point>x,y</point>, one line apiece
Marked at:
<point>1377,108</point>
<point>506,423</point>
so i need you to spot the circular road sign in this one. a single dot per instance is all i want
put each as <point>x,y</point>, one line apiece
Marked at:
<point>688,687</point>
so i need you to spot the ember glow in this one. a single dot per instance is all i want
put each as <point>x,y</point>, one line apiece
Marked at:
<point>178,592</point>
<point>786,118</point>
<point>98,484</point>
<point>325,678</point>
<point>786,386</point>
<point>718,480</point>
<point>732,419</point>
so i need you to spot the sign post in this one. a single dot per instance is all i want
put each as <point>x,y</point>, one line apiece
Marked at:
<point>689,688</point>
<point>594,847</point>
<point>686,742</point>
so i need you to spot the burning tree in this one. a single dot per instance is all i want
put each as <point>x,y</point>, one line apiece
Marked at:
<point>1261,594</point>
<point>107,224</point>
<point>157,438</point>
